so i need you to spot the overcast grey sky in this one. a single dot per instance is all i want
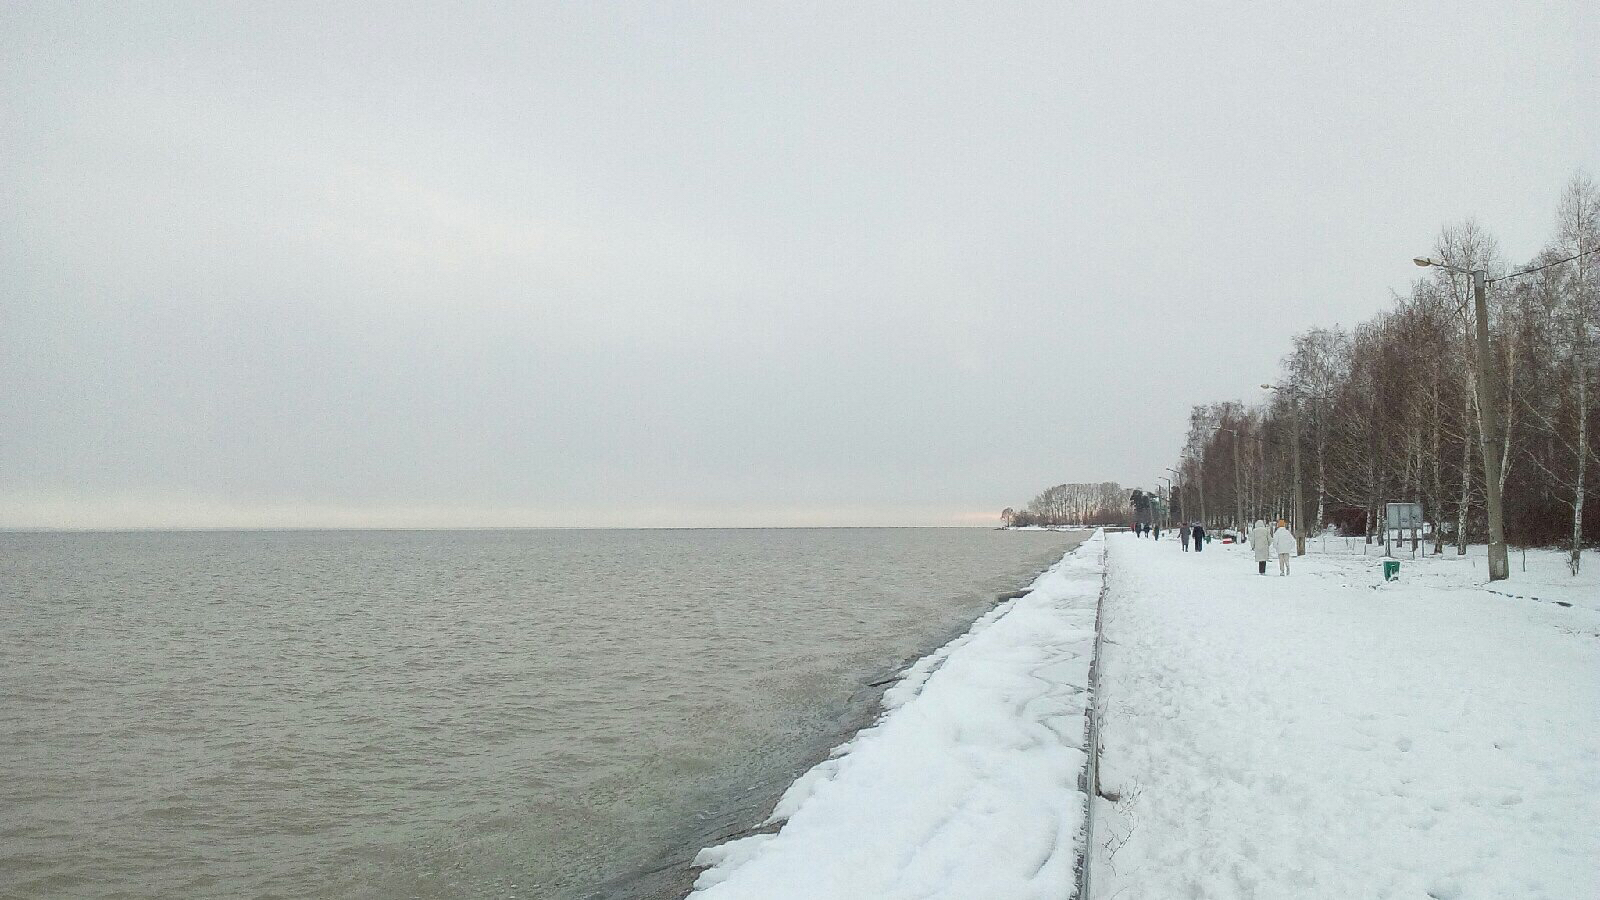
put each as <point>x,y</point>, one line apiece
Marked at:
<point>713,263</point>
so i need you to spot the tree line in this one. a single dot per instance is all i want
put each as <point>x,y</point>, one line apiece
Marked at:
<point>1389,410</point>
<point>1102,503</point>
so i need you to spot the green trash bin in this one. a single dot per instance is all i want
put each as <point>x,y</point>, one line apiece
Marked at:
<point>1391,569</point>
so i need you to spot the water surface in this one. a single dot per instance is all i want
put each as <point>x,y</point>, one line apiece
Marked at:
<point>543,714</point>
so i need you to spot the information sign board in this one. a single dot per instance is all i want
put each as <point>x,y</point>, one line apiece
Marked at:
<point>1404,516</point>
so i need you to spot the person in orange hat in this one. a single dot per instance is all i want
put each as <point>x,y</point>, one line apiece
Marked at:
<point>1283,544</point>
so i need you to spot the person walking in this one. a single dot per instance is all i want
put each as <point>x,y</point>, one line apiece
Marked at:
<point>1183,535</point>
<point>1283,544</point>
<point>1197,533</point>
<point>1261,542</point>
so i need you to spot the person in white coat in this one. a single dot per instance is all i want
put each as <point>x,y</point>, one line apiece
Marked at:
<point>1261,542</point>
<point>1283,544</point>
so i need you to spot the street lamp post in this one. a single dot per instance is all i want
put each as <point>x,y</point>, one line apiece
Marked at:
<point>1238,487</point>
<point>1489,436</point>
<point>1179,489</point>
<point>1294,444</point>
<point>1166,510</point>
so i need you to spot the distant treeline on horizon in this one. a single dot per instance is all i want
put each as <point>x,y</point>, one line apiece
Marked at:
<point>1102,503</point>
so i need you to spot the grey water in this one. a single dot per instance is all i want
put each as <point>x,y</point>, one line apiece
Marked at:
<point>526,713</point>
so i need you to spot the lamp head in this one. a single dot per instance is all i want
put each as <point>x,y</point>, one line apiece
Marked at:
<point>1423,262</point>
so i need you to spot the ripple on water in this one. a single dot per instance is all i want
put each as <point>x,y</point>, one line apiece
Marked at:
<point>442,714</point>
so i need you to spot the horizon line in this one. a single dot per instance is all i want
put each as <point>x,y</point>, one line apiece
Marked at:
<point>153,529</point>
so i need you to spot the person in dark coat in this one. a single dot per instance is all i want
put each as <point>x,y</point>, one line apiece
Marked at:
<point>1198,535</point>
<point>1183,536</point>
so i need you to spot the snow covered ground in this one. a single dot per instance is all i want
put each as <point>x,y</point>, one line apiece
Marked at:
<point>1331,735</point>
<point>1535,574</point>
<point>1327,734</point>
<point>967,788</point>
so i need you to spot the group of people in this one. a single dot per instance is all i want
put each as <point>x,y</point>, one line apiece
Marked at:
<point>1192,531</point>
<point>1278,541</point>
<point>1267,542</point>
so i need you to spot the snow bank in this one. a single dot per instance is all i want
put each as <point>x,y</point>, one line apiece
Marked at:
<point>966,788</point>
<point>1331,735</point>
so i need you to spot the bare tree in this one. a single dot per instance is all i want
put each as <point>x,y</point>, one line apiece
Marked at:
<point>1389,409</point>
<point>1578,230</point>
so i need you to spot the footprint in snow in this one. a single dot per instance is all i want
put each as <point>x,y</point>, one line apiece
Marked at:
<point>1445,889</point>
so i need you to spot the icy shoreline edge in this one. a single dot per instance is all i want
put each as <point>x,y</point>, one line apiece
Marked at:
<point>971,779</point>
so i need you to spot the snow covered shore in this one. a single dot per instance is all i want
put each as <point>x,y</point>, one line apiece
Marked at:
<point>1327,734</point>
<point>1330,735</point>
<point>968,786</point>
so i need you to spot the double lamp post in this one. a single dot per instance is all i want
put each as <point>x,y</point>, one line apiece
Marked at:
<point>1490,436</point>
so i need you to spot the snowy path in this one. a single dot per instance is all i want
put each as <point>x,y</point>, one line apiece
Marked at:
<point>1316,736</point>
<point>967,788</point>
